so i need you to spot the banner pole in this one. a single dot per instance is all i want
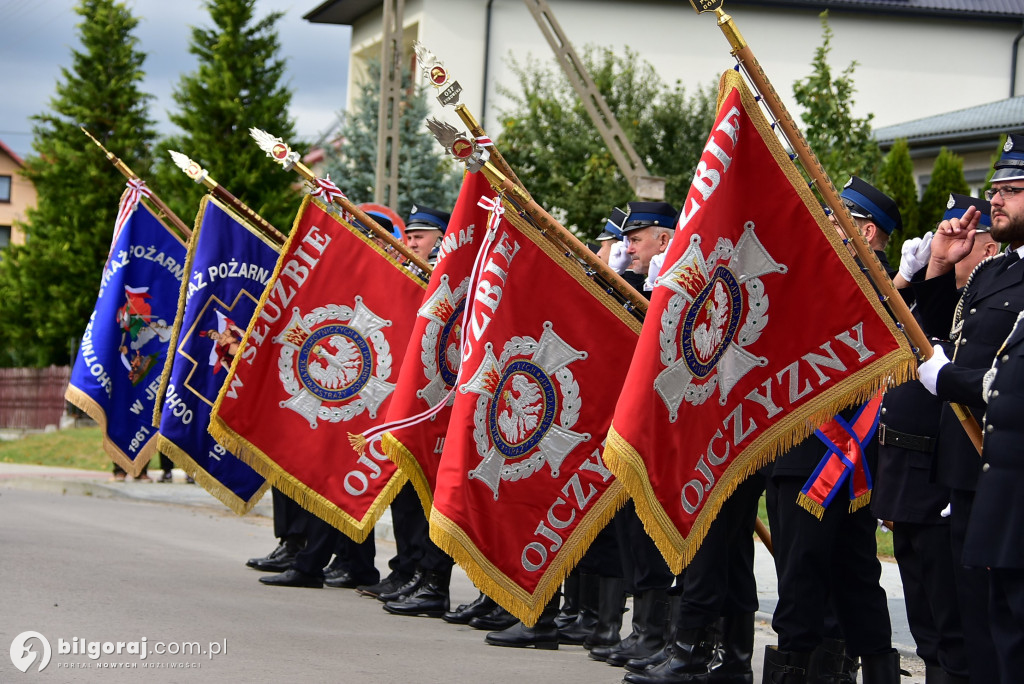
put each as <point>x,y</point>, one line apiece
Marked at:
<point>564,238</point>
<point>200,175</point>
<point>282,154</point>
<point>899,309</point>
<point>164,210</point>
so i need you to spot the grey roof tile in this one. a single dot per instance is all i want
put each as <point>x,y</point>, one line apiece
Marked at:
<point>1001,116</point>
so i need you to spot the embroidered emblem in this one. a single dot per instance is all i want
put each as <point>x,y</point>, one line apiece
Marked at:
<point>335,362</point>
<point>719,306</point>
<point>442,340</point>
<point>529,402</point>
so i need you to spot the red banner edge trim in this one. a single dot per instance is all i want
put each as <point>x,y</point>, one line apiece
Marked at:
<point>490,580</point>
<point>628,465</point>
<point>208,482</point>
<point>302,494</point>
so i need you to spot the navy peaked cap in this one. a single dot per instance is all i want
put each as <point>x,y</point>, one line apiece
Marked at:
<point>1010,165</point>
<point>958,204</point>
<point>866,201</point>
<point>425,218</point>
<point>643,214</point>
<point>613,225</point>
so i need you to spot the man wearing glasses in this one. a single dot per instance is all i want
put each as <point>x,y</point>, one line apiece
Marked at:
<point>978,324</point>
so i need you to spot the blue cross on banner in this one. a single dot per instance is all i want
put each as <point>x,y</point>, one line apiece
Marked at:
<point>229,265</point>
<point>116,375</point>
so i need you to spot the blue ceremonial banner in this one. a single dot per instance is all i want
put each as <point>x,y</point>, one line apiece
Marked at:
<point>229,265</point>
<point>117,373</point>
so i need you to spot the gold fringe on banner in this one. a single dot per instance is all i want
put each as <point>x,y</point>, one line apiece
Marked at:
<point>209,482</point>
<point>172,345</point>
<point>96,412</point>
<point>248,453</point>
<point>496,584</point>
<point>408,464</point>
<point>628,466</point>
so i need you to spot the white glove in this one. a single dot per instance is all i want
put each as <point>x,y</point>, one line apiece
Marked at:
<point>652,273</point>
<point>619,260</point>
<point>928,372</point>
<point>914,255</point>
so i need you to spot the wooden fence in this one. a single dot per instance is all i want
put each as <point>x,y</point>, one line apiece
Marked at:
<point>32,398</point>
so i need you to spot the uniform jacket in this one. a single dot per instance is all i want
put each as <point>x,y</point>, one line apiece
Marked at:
<point>991,301</point>
<point>995,530</point>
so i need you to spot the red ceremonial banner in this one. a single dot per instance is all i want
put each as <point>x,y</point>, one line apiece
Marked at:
<point>761,327</point>
<point>522,489</point>
<point>428,376</point>
<point>318,362</point>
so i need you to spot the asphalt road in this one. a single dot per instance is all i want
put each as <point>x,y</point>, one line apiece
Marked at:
<point>115,570</point>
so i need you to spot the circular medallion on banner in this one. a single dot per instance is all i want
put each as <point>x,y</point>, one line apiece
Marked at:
<point>522,410</point>
<point>462,148</point>
<point>334,362</point>
<point>448,355</point>
<point>710,322</point>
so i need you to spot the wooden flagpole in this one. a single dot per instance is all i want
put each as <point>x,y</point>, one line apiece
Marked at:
<point>899,309</point>
<point>197,173</point>
<point>279,151</point>
<point>162,208</point>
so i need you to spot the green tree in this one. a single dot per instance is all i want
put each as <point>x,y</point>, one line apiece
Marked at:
<point>550,141</point>
<point>48,286</point>
<point>238,84</point>
<point>842,142</point>
<point>896,179</point>
<point>947,177</point>
<point>425,176</point>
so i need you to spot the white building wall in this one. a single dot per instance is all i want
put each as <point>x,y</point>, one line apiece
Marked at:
<point>908,68</point>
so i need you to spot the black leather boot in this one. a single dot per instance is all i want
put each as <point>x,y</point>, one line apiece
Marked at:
<point>784,667</point>
<point>650,610</point>
<point>570,601</point>
<point>665,652</point>
<point>430,598</point>
<point>587,609</point>
<point>409,587</point>
<point>498,619</point>
<point>278,560</point>
<point>881,668</point>
<point>543,635</point>
<point>482,605</point>
<point>734,650</point>
<point>611,604</point>
<point>690,656</point>
<point>829,664</point>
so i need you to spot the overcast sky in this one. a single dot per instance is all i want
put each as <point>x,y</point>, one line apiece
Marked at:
<point>38,36</point>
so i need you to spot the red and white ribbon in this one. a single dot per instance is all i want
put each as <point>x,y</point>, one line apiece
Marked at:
<point>326,190</point>
<point>497,209</point>
<point>484,141</point>
<point>129,201</point>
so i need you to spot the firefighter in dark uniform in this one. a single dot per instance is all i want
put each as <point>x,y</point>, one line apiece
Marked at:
<point>831,562</point>
<point>990,536</point>
<point>905,495</point>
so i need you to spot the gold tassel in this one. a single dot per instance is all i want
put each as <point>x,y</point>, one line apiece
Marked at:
<point>358,442</point>
<point>860,502</point>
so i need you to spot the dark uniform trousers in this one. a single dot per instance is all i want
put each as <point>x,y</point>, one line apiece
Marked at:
<point>324,540</point>
<point>991,301</point>
<point>995,531</point>
<point>289,517</point>
<point>905,494</point>
<point>824,563</point>
<point>643,566</point>
<point>719,581</point>
<point>412,537</point>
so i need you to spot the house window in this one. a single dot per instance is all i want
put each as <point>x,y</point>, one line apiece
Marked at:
<point>5,236</point>
<point>5,188</point>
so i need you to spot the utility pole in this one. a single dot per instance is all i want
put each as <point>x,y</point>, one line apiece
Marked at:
<point>644,185</point>
<point>390,112</point>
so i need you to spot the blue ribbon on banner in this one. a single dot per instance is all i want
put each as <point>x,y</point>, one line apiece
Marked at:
<point>116,375</point>
<point>229,269</point>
